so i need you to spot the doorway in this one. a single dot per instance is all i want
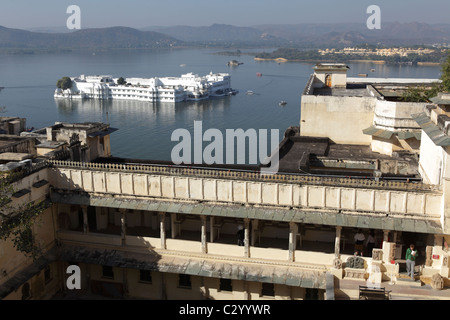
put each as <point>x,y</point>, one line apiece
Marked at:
<point>328,80</point>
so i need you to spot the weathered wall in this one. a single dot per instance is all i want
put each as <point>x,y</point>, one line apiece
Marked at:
<point>431,161</point>
<point>342,119</point>
<point>397,115</point>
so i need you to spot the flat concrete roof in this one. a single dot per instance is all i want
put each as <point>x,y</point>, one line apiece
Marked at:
<point>50,144</point>
<point>350,91</point>
<point>354,80</point>
<point>12,156</point>
<point>300,154</point>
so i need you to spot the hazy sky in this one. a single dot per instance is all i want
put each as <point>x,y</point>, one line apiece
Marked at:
<point>141,13</point>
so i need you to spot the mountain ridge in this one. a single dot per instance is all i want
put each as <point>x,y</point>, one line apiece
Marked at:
<point>99,38</point>
<point>307,35</point>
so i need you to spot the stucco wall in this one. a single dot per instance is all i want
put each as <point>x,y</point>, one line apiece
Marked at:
<point>342,119</point>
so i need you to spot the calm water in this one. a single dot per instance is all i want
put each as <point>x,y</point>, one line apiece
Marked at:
<point>145,128</point>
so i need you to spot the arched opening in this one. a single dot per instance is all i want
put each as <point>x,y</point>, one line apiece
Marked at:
<point>328,80</point>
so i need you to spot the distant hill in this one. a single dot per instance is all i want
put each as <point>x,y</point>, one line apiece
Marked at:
<point>221,33</point>
<point>341,34</point>
<point>287,36</point>
<point>102,38</point>
<point>311,34</point>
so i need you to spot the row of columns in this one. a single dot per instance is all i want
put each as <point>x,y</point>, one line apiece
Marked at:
<point>293,233</point>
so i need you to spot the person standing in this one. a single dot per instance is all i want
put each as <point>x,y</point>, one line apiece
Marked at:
<point>359,243</point>
<point>411,256</point>
<point>240,235</point>
<point>370,243</point>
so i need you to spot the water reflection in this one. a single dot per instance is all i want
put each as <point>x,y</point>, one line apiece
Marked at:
<point>126,108</point>
<point>145,128</point>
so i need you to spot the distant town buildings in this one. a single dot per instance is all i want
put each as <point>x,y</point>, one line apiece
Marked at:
<point>384,52</point>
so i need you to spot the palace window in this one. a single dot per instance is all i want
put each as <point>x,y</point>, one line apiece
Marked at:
<point>26,292</point>
<point>184,281</point>
<point>225,285</point>
<point>311,294</point>
<point>268,289</point>
<point>107,272</point>
<point>145,276</point>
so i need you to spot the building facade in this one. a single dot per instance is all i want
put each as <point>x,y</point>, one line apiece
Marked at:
<point>158,231</point>
<point>188,87</point>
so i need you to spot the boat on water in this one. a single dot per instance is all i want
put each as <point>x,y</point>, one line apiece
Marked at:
<point>250,92</point>
<point>234,63</point>
<point>282,103</point>
<point>188,87</point>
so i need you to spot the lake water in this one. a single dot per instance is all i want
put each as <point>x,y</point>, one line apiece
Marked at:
<point>145,129</point>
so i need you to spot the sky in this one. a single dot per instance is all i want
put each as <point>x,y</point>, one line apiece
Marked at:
<point>26,14</point>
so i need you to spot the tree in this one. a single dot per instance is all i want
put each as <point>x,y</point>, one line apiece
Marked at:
<point>64,83</point>
<point>16,221</point>
<point>417,94</point>
<point>445,74</point>
<point>121,81</point>
<point>424,95</point>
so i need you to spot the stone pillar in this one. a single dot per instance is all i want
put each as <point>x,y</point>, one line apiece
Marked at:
<point>388,248</point>
<point>211,229</point>
<point>385,235</point>
<point>204,289</point>
<point>337,269</point>
<point>394,240</point>
<point>173,219</point>
<point>123,225</point>
<point>246,237</point>
<point>255,231</point>
<point>85,219</point>
<point>203,235</point>
<point>162,229</point>
<point>293,229</point>
<point>337,243</point>
<point>246,290</point>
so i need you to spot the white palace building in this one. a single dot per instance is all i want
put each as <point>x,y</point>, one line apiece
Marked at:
<point>188,87</point>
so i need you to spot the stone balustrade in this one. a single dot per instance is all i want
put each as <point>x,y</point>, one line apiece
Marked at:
<point>238,187</point>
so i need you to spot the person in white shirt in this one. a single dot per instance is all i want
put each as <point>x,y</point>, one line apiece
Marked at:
<point>359,242</point>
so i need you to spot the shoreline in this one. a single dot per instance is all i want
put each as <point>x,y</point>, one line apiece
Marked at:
<point>274,59</point>
<point>425,64</point>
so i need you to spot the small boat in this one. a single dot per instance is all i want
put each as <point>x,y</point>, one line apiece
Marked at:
<point>259,74</point>
<point>250,92</point>
<point>282,103</point>
<point>234,63</point>
<point>182,65</point>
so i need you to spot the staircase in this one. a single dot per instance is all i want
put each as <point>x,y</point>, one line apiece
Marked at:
<point>405,280</point>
